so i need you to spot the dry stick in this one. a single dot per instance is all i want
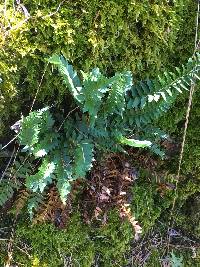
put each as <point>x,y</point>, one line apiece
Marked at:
<point>53,13</point>
<point>192,88</point>
<point>10,142</point>
<point>171,221</point>
<point>39,86</point>
<point>10,245</point>
<point>9,162</point>
<point>7,166</point>
<point>20,24</point>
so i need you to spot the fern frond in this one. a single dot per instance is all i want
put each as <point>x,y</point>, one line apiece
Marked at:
<point>111,112</point>
<point>83,158</point>
<point>99,131</point>
<point>64,187</point>
<point>69,75</point>
<point>47,143</point>
<point>43,177</point>
<point>115,102</point>
<point>34,201</point>
<point>35,124</point>
<point>7,189</point>
<point>46,211</point>
<point>63,174</point>
<point>21,200</point>
<point>95,85</point>
<point>150,99</point>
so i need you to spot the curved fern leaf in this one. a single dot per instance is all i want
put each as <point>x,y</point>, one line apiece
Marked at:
<point>69,75</point>
<point>150,99</point>
<point>44,176</point>
<point>95,85</point>
<point>83,158</point>
<point>37,122</point>
<point>34,201</point>
<point>134,143</point>
<point>115,102</point>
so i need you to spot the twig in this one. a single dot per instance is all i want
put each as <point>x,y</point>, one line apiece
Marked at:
<point>2,176</point>
<point>182,246</point>
<point>23,251</point>
<point>39,87</point>
<point>53,13</point>
<point>19,25</point>
<point>10,142</point>
<point>67,117</point>
<point>10,244</point>
<point>192,88</point>
<point>5,8</point>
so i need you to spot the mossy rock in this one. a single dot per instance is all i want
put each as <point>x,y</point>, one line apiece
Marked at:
<point>137,35</point>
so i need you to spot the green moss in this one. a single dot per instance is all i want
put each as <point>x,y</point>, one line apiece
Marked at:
<point>112,241</point>
<point>137,35</point>
<point>149,202</point>
<point>78,244</point>
<point>154,259</point>
<point>50,245</point>
<point>188,216</point>
<point>173,123</point>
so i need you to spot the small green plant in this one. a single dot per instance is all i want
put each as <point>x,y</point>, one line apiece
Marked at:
<point>176,261</point>
<point>109,114</point>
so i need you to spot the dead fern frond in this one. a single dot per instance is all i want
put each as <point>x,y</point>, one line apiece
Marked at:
<point>125,211</point>
<point>52,210</point>
<point>21,200</point>
<point>108,188</point>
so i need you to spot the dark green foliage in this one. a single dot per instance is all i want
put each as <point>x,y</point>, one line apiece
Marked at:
<point>12,179</point>
<point>33,203</point>
<point>84,157</point>
<point>107,119</point>
<point>7,189</point>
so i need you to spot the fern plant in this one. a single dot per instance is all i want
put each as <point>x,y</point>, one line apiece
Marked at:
<point>112,113</point>
<point>7,189</point>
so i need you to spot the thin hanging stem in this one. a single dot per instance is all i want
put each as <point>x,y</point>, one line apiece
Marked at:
<point>192,89</point>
